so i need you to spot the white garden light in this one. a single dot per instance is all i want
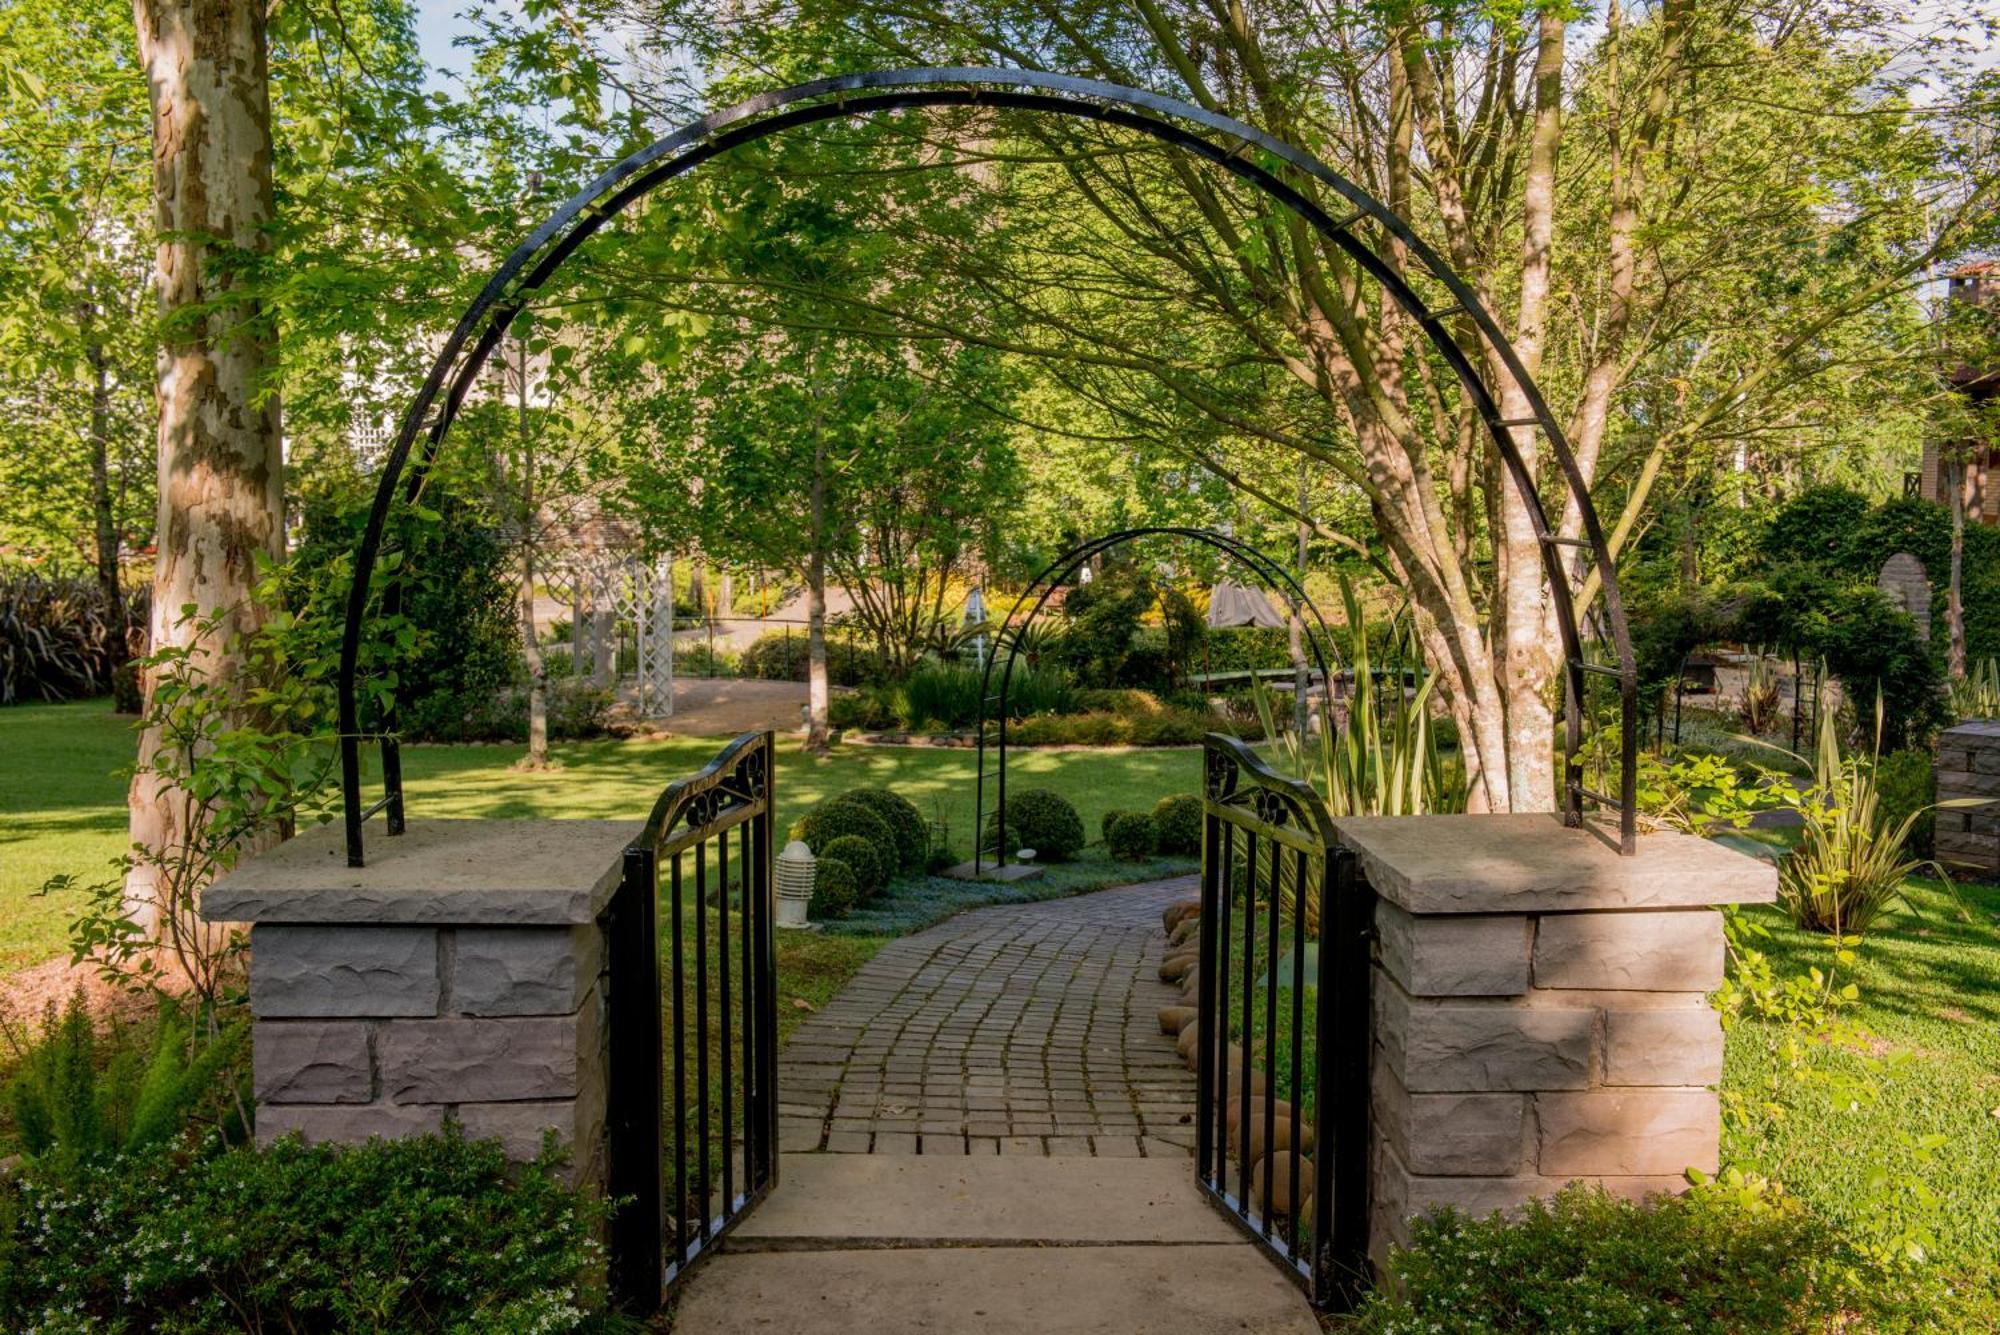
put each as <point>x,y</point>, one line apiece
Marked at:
<point>796,869</point>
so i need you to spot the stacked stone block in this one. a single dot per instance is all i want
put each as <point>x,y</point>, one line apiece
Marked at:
<point>1540,1011</point>
<point>459,976</point>
<point>1968,766</point>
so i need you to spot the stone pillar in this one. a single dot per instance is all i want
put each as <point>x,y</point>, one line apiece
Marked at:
<point>1968,766</point>
<point>459,975</point>
<point>1541,1009</point>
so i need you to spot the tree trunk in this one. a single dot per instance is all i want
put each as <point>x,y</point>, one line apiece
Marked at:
<point>531,648</point>
<point>1301,709</point>
<point>221,501</point>
<point>816,682</point>
<point>1953,464</point>
<point>103,505</point>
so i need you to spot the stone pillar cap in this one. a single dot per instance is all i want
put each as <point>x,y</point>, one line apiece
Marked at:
<point>496,873</point>
<point>1530,863</point>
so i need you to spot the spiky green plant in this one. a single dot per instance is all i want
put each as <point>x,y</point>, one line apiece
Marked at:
<point>1376,760</point>
<point>1373,761</point>
<point>1853,856</point>
<point>1976,695</point>
<point>1759,705</point>
<point>69,1108</point>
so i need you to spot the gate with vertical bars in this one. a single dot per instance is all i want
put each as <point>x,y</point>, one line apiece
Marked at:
<point>1282,1072</point>
<point>692,1122</point>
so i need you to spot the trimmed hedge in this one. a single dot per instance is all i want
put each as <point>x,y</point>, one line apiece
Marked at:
<point>1131,837</point>
<point>836,817</point>
<point>870,862</point>
<point>836,889</point>
<point>1104,823</point>
<point>1041,819</point>
<point>778,656</point>
<point>912,833</point>
<point>1177,817</point>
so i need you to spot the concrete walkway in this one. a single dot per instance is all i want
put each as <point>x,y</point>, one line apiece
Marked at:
<point>1003,1138</point>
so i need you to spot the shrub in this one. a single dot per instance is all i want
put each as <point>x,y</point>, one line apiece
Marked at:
<point>835,817</point>
<point>871,862</point>
<point>905,822</point>
<point>456,672</point>
<point>1041,819</point>
<point>836,889</point>
<point>1588,1264</point>
<point>57,638</point>
<point>1166,727</point>
<point>576,709</point>
<point>1906,785</point>
<point>73,1103</point>
<point>1178,819</point>
<point>1132,837</point>
<point>870,709</point>
<point>1119,700</point>
<point>423,1234</point>
<point>779,655</point>
<point>952,696</point>
<point>1104,823</point>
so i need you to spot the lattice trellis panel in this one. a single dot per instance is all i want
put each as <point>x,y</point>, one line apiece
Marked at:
<point>609,596</point>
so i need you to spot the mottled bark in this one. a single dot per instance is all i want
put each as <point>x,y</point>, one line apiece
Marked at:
<point>221,499</point>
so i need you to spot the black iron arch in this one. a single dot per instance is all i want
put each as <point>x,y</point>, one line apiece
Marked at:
<point>1051,578</point>
<point>1237,147</point>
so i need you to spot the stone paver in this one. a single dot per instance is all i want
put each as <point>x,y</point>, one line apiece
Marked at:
<point>1009,1138</point>
<point>1018,1029</point>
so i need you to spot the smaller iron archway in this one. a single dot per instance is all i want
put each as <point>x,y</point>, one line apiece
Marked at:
<point>1052,577</point>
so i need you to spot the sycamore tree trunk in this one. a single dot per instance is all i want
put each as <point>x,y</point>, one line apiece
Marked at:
<point>221,498</point>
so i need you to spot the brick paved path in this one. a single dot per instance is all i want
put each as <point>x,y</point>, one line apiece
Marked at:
<point>1019,1029</point>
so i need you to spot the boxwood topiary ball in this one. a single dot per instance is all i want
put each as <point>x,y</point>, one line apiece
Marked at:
<point>1178,820</point>
<point>1041,819</point>
<point>836,889</point>
<point>1132,837</point>
<point>905,822</point>
<point>833,818</point>
<point>1104,823</point>
<point>871,864</point>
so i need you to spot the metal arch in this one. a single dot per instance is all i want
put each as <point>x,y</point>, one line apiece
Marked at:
<point>1054,574</point>
<point>535,259</point>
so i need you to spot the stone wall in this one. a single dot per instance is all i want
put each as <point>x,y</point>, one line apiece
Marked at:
<point>1541,1010</point>
<point>1968,766</point>
<point>459,975</point>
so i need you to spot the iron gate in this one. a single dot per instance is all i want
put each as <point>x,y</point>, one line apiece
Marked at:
<point>1281,1141</point>
<point>689,1155</point>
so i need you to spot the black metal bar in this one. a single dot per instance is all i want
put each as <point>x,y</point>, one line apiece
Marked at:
<point>632,1133</point>
<point>1245,1177</point>
<point>722,1011</point>
<point>701,1030</point>
<point>751,1046</point>
<point>1596,669</point>
<point>1341,1189</point>
<point>1302,888</point>
<point>767,985</point>
<point>1270,1033</point>
<point>1215,1023</point>
<point>1205,992</point>
<point>680,1075</point>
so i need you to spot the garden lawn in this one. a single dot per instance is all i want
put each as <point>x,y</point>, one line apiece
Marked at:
<point>62,809</point>
<point>1929,1066</point>
<point>62,801</point>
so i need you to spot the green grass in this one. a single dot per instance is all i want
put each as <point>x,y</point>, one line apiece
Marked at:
<point>62,800</point>
<point>62,809</point>
<point>1930,1005</point>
